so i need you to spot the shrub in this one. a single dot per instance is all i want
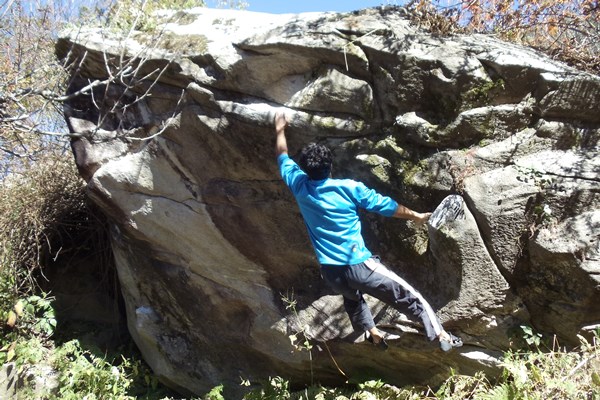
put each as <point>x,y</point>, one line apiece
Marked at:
<point>42,208</point>
<point>568,30</point>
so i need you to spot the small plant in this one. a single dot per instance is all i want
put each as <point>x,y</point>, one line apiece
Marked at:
<point>377,389</point>
<point>31,318</point>
<point>86,373</point>
<point>22,351</point>
<point>215,393</point>
<point>83,373</point>
<point>503,391</point>
<point>275,388</point>
<point>39,309</point>
<point>458,387</point>
<point>299,339</point>
<point>533,339</point>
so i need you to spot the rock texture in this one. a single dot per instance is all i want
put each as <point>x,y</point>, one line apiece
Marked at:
<point>175,140</point>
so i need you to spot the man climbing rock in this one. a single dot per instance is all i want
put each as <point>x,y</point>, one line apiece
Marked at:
<point>330,210</point>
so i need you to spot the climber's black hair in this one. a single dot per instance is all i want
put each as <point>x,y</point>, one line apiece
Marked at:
<point>316,159</point>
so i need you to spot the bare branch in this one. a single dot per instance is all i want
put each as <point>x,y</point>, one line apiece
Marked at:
<point>33,129</point>
<point>352,42</point>
<point>168,123</point>
<point>13,119</point>
<point>50,95</point>
<point>12,153</point>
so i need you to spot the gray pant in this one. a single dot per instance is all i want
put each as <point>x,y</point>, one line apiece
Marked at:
<point>373,278</point>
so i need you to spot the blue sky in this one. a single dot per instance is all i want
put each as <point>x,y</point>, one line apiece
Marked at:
<point>297,6</point>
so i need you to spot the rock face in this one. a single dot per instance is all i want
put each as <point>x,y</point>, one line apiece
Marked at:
<point>175,140</point>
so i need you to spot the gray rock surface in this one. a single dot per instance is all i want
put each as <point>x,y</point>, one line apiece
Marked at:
<point>8,381</point>
<point>218,276</point>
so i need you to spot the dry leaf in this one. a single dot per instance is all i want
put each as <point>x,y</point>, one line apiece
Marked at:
<point>12,319</point>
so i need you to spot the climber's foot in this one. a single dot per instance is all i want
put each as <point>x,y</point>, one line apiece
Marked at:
<point>377,339</point>
<point>448,341</point>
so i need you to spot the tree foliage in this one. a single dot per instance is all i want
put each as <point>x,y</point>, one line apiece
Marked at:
<point>568,30</point>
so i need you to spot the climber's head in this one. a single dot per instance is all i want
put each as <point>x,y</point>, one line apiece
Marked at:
<point>315,160</point>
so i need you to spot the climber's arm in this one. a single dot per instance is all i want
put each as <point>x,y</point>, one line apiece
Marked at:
<point>281,142</point>
<point>407,213</point>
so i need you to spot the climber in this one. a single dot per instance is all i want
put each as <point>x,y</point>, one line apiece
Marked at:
<point>330,210</point>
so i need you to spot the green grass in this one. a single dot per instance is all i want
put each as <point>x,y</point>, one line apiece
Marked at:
<point>536,374</point>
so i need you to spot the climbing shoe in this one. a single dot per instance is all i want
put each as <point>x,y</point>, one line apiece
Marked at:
<point>382,344</point>
<point>450,342</point>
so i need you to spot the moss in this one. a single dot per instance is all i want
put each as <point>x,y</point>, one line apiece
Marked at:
<point>359,145</point>
<point>410,170</point>
<point>223,21</point>
<point>367,106</point>
<point>481,95</point>
<point>389,148</point>
<point>326,122</point>
<point>378,166</point>
<point>444,106</point>
<point>487,127</point>
<point>183,18</point>
<point>185,44</point>
<point>484,142</point>
<point>415,174</point>
<point>358,124</point>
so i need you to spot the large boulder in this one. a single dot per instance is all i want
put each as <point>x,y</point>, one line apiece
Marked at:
<point>173,132</point>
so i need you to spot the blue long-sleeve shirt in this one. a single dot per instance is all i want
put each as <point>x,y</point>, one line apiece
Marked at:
<point>330,211</point>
